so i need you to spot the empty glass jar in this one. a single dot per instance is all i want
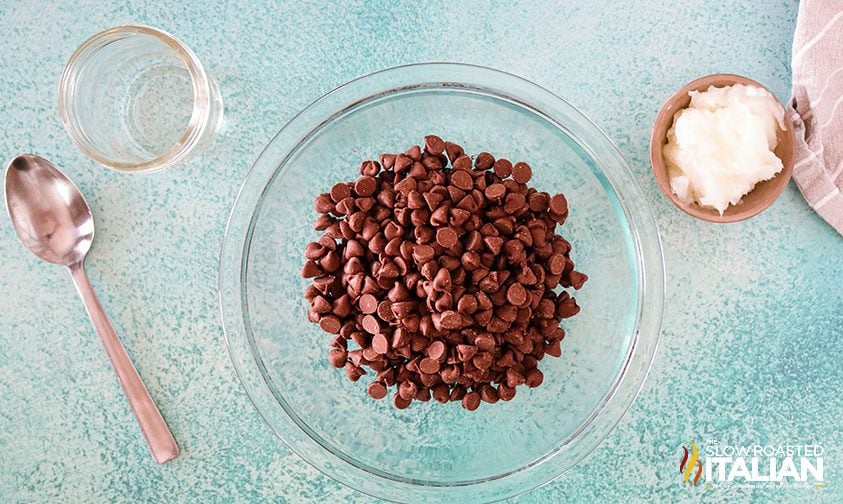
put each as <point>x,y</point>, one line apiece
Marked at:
<point>136,99</point>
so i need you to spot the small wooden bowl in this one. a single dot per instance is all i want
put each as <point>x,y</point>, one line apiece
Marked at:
<point>762,195</point>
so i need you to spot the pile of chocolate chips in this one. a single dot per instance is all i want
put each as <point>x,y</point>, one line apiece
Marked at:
<point>441,279</point>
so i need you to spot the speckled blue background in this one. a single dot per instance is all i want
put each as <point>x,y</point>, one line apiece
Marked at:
<point>752,340</point>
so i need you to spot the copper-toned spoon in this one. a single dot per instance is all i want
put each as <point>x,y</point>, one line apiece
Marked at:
<point>54,221</point>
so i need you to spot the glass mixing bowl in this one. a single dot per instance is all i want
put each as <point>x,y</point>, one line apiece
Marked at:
<point>432,452</point>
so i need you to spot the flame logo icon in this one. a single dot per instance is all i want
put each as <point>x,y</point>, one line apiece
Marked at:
<point>690,461</point>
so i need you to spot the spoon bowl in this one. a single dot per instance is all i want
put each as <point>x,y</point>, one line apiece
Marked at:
<point>48,211</point>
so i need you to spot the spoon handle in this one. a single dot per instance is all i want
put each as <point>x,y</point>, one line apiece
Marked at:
<point>155,430</point>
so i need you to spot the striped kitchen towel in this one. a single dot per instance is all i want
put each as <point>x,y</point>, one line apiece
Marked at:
<point>817,107</point>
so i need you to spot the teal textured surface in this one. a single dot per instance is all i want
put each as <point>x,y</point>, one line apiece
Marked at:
<point>752,338</point>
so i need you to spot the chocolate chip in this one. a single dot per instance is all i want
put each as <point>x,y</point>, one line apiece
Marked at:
<point>453,150</point>
<point>468,203</point>
<point>558,204</point>
<point>377,390</point>
<point>369,168</point>
<point>471,401</point>
<point>514,203</point>
<point>423,253</point>
<point>311,292</point>
<point>429,366</point>
<point>451,320</point>
<point>321,305</point>
<point>442,280</point>
<point>450,374</point>
<point>370,324</point>
<point>522,173</point>
<point>462,163</point>
<point>482,360</point>
<point>368,303</point>
<point>441,393</point>
<point>310,270</point>
<point>446,237</point>
<point>369,285</point>
<point>330,262</point>
<point>470,260</point>
<point>567,308</point>
<point>400,402</point>
<point>414,153</point>
<point>577,279</point>
<point>365,204</point>
<point>514,378</point>
<point>484,161</point>
<point>497,325</point>
<point>505,392</point>
<point>516,294</point>
<point>467,304</point>
<point>494,244</point>
<point>538,202</point>
<point>400,338</point>
<point>459,216</point>
<point>342,306</point>
<point>485,342</point>
<point>324,204</point>
<point>338,357</point>
<point>556,264</point>
<point>365,186</point>
<point>462,180</point>
<point>436,350</point>
<point>553,348</point>
<point>387,161</point>
<point>407,389</point>
<point>340,192</point>
<point>534,378</point>
<point>503,168</point>
<point>403,309</point>
<point>545,309</point>
<point>488,394</point>
<point>422,395</point>
<point>457,393</point>
<point>434,145</point>
<point>430,163</point>
<point>495,191</point>
<point>402,163</point>
<point>380,343</point>
<point>354,372</point>
<point>433,200</point>
<point>385,311</point>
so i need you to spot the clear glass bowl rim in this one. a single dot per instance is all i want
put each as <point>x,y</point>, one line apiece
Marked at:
<point>199,119</point>
<point>234,259</point>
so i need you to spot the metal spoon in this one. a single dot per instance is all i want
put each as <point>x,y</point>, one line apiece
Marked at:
<point>54,221</point>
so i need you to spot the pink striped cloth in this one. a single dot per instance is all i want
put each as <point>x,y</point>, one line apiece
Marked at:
<point>817,107</point>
